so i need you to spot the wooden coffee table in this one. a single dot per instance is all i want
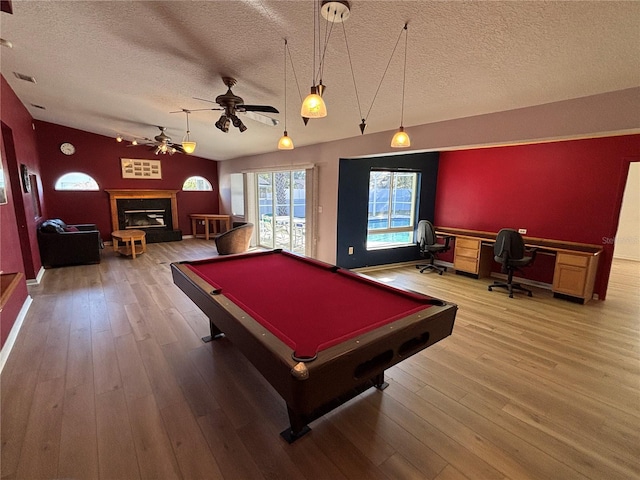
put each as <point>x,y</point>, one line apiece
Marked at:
<point>129,238</point>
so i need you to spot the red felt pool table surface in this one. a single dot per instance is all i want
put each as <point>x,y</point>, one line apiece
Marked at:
<point>308,305</point>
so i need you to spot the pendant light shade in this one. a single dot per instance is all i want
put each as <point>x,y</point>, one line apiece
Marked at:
<point>285,142</point>
<point>187,145</point>
<point>313,106</point>
<point>401,139</point>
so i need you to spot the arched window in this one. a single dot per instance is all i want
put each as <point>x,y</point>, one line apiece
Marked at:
<point>197,183</point>
<point>76,181</point>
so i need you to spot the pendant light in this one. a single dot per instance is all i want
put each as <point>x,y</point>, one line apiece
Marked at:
<point>313,105</point>
<point>401,139</point>
<point>187,145</point>
<point>285,142</point>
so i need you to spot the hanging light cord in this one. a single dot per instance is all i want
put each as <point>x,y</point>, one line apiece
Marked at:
<point>404,75</point>
<point>315,27</point>
<point>295,76</point>
<point>327,36</point>
<point>385,70</point>
<point>285,84</point>
<point>187,112</point>
<point>352,74</point>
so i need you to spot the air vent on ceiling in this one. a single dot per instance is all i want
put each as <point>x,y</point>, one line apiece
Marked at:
<point>24,77</point>
<point>38,106</point>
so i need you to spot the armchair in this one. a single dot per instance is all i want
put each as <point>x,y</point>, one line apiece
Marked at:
<point>427,240</point>
<point>61,244</point>
<point>509,250</point>
<point>236,240</point>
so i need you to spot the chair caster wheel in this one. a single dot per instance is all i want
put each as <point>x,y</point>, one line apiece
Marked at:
<point>489,288</point>
<point>530,294</point>
<point>511,295</point>
<point>440,274</point>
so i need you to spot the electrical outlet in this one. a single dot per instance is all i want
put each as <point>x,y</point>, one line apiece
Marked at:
<point>350,250</point>
<point>522,231</point>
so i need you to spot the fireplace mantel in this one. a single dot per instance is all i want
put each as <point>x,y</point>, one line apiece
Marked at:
<point>116,195</point>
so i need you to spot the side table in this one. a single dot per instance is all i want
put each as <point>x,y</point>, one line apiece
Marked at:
<point>129,238</point>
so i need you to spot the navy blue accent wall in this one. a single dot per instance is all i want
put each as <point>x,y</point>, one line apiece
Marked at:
<point>353,196</point>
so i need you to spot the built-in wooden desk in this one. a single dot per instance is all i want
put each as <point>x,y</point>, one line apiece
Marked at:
<point>209,218</point>
<point>575,267</point>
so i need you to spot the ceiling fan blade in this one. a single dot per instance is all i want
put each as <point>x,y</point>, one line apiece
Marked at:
<point>204,99</point>
<point>258,117</point>
<point>256,108</point>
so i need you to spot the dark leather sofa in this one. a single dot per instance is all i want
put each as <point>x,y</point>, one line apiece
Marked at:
<point>61,244</point>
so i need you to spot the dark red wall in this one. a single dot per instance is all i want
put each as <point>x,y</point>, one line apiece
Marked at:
<point>18,147</point>
<point>99,156</point>
<point>569,190</point>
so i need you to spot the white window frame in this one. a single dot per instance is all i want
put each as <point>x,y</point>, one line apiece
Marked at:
<point>391,230</point>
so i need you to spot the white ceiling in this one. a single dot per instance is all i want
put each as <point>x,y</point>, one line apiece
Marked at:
<point>120,67</point>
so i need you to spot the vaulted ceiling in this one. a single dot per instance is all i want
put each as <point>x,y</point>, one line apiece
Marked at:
<point>120,67</point>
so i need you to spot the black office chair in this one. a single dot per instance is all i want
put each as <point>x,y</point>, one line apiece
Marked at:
<point>509,250</point>
<point>426,239</point>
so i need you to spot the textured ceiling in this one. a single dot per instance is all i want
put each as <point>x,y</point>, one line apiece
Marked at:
<point>120,67</point>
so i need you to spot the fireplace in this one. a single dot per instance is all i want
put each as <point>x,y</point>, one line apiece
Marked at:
<point>144,218</point>
<point>153,211</point>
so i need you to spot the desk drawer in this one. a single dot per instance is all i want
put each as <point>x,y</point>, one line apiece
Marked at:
<point>466,252</point>
<point>464,264</point>
<point>470,243</point>
<point>575,260</point>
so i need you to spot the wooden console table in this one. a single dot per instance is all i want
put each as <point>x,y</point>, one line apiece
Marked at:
<point>129,238</point>
<point>209,218</point>
<point>575,267</point>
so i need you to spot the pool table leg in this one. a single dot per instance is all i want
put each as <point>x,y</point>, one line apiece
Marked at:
<point>216,333</point>
<point>297,429</point>
<point>379,383</point>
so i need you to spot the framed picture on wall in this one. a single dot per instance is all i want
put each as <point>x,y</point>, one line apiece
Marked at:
<point>141,169</point>
<point>24,175</point>
<point>3,188</point>
<point>35,196</point>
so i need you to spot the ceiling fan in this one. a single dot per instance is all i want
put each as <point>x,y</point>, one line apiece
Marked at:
<point>232,104</point>
<point>162,144</point>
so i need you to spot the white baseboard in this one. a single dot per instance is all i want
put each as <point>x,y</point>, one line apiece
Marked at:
<point>13,334</point>
<point>38,279</point>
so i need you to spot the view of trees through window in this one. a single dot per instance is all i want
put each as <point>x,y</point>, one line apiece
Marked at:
<point>392,207</point>
<point>76,181</point>
<point>197,183</point>
<point>281,210</point>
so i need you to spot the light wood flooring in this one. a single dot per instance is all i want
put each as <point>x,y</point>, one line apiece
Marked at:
<point>109,379</point>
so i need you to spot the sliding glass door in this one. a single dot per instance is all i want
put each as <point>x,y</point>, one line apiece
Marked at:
<point>282,209</point>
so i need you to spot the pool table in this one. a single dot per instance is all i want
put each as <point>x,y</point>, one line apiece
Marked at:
<point>319,334</point>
